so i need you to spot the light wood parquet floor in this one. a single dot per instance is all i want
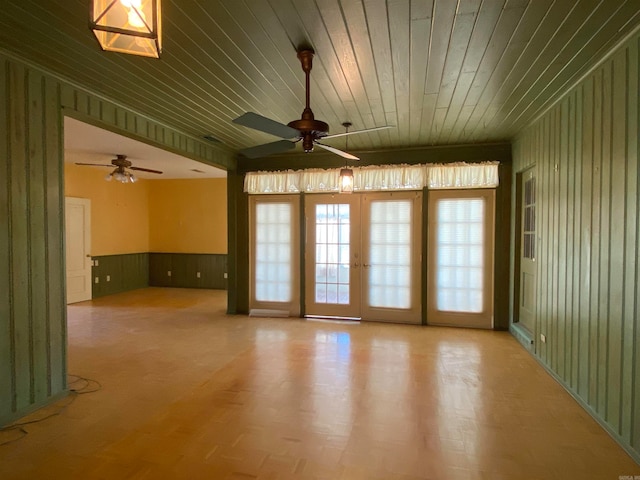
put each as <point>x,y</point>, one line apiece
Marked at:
<point>191,393</point>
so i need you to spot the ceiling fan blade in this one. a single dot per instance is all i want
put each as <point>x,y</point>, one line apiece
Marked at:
<point>264,124</point>
<point>94,164</point>
<point>366,130</point>
<point>337,152</point>
<point>268,149</point>
<point>144,169</point>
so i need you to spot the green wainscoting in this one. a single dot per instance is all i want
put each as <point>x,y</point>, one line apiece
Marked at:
<point>188,270</point>
<point>585,154</point>
<point>119,273</point>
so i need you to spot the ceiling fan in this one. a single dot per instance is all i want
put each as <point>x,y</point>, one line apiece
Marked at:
<point>121,173</point>
<point>307,129</point>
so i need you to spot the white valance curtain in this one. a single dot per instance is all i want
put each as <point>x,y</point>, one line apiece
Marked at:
<point>377,178</point>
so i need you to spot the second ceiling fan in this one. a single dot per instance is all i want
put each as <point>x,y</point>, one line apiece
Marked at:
<point>307,129</point>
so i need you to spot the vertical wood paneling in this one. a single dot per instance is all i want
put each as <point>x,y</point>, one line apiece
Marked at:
<point>594,295</point>
<point>605,241</point>
<point>37,229</point>
<point>56,268</point>
<point>629,97</point>
<point>561,176</point>
<point>617,229</point>
<point>19,238</point>
<point>31,354</point>
<point>632,325</point>
<point>6,362</point>
<point>588,272</point>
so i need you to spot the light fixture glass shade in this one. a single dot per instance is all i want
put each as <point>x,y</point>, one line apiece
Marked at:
<point>128,26</point>
<point>346,180</point>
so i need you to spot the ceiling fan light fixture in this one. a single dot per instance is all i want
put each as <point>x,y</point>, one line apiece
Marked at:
<point>120,177</point>
<point>346,180</point>
<point>128,26</point>
<point>133,178</point>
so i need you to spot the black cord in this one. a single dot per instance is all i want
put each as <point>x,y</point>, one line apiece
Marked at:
<point>87,386</point>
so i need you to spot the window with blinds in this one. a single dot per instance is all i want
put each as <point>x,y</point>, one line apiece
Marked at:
<point>390,254</point>
<point>275,251</point>
<point>460,246</point>
<point>460,268</point>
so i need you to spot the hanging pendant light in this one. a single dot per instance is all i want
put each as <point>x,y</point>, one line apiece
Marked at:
<point>346,180</point>
<point>128,26</point>
<point>346,174</point>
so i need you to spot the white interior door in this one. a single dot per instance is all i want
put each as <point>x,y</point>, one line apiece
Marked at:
<point>78,248</point>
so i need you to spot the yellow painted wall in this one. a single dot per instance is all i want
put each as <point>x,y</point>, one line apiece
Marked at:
<point>188,216</point>
<point>119,212</point>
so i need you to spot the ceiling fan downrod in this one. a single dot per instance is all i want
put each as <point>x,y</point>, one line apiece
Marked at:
<point>310,128</point>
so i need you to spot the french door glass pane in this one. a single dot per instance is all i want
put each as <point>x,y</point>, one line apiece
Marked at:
<point>273,252</point>
<point>332,254</point>
<point>460,247</point>
<point>390,254</point>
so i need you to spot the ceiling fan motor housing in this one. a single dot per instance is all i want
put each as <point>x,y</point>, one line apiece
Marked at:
<point>310,129</point>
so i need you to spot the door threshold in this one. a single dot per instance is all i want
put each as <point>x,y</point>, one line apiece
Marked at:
<point>328,319</point>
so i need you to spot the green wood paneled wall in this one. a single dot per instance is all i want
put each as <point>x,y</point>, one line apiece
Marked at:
<point>32,272</point>
<point>126,272</point>
<point>585,154</point>
<point>184,268</point>
<point>32,307</point>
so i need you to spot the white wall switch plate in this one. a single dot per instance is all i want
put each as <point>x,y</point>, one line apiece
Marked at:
<point>543,338</point>
<point>108,278</point>
<point>97,280</point>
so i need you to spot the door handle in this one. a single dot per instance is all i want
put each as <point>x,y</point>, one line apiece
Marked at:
<point>366,265</point>
<point>88,256</point>
<point>356,265</point>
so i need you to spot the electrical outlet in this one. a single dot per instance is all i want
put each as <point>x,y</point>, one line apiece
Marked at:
<point>225,275</point>
<point>108,278</point>
<point>543,338</point>
<point>168,273</point>
<point>197,274</point>
<point>97,280</point>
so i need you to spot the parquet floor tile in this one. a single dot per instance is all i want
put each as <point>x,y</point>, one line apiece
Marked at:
<point>189,392</point>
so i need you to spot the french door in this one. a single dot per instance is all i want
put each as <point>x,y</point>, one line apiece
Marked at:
<point>363,256</point>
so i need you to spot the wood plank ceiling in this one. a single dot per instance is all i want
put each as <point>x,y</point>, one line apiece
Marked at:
<point>441,71</point>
